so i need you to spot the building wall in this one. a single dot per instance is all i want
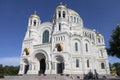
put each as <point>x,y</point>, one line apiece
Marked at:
<point>66,41</point>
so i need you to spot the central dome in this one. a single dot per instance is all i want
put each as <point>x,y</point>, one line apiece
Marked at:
<point>67,16</point>
<point>72,12</point>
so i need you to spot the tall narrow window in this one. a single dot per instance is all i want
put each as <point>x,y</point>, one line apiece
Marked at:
<point>59,14</point>
<point>63,14</point>
<point>34,22</point>
<point>59,26</point>
<point>77,20</point>
<point>45,36</point>
<point>77,62</point>
<point>86,47</point>
<point>99,40</point>
<point>76,46</point>
<point>74,19</point>
<point>71,18</point>
<point>88,64</point>
<point>102,66</point>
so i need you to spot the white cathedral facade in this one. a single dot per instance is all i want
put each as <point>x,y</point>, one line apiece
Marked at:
<point>62,46</point>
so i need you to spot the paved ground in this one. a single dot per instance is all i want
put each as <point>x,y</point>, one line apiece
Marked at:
<point>50,77</point>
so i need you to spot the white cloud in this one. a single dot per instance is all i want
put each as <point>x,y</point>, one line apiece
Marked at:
<point>15,61</point>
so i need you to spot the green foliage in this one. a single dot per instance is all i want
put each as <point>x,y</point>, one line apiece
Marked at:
<point>114,49</point>
<point>11,70</point>
<point>1,71</point>
<point>117,66</point>
<point>8,70</point>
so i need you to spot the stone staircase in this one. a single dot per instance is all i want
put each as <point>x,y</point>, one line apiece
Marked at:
<point>52,77</point>
<point>41,77</point>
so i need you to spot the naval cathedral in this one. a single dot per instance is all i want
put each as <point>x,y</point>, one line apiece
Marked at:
<point>62,46</point>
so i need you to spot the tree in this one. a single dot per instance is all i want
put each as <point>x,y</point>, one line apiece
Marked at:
<point>117,66</point>
<point>11,70</point>
<point>1,71</point>
<point>114,49</point>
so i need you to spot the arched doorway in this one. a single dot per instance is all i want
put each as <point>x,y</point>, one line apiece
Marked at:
<point>42,66</point>
<point>26,69</point>
<point>60,64</point>
<point>26,66</point>
<point>42,63</point>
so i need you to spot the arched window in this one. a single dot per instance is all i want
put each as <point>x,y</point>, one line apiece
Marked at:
<point>71,18</point>
<point>34,22</point>
<point>59,14</point>
<point>85,34</point>
<point>77,20</point>
<point>102,66</point>
<point>86,47</point>
<point>88,64</point>
<point>77,62</point>
<point>76,46</point>
<point>59,26</point>
<point>101,53</point>
<point>74,19</point>
<point>45,36</point>
<point>63,14</point>
<point>99,41</point>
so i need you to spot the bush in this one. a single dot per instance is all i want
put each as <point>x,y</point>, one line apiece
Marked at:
<point>11,70</point>
<point>1,76</point>
<point>117,66</point>
<point>1,71</point>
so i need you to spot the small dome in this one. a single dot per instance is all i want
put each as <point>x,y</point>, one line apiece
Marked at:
<point>72,12</point>
<point>34,15</point>
<point>61,6</point>
<point>99,35</point>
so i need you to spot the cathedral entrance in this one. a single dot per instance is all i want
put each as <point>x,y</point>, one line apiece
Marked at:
<point>26,66</point>
<point>42,63</point>
<point>42,66</point>
<point>26,69</point>
<point>60,67</point>
<point>60,64</point>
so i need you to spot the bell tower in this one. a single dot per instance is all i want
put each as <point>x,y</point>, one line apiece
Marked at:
<point>32,36</point>
<point>33,24</point>
<point>61,18</point>
<point>34,20</point>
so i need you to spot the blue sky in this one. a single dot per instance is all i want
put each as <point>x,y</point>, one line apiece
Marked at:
<point>102,15</point>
